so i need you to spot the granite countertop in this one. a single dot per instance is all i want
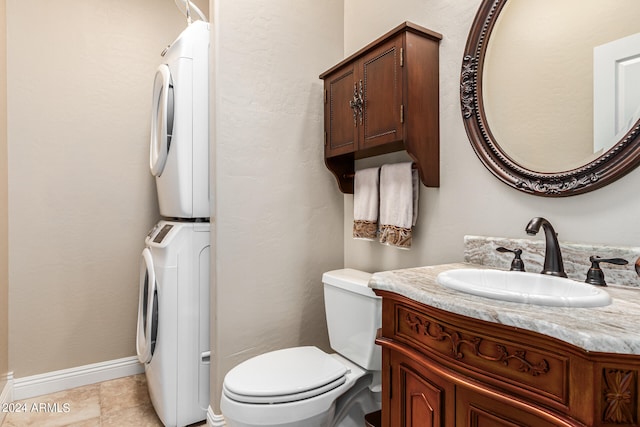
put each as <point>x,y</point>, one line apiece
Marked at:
<point>610,329</point>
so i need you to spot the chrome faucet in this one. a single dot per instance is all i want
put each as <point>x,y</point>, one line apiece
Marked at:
<point>553,264</point>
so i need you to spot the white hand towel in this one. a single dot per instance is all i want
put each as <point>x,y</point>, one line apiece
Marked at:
<point>399,189</point>
<point>365,204</point>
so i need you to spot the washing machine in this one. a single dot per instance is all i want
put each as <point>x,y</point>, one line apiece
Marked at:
<point>173,320</point>
<point>179,146</point>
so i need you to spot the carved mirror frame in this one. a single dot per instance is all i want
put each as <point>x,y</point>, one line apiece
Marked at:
<point>613,164</point>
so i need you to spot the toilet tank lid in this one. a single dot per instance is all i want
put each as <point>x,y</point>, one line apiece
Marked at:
<point>349,279</point>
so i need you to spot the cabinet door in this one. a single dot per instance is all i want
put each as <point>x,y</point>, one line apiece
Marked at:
<point>382,88</point>
<point>422,398</point>
<point>476,410</point>
<point>341,118</point>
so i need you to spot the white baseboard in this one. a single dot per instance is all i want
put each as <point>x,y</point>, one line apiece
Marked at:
<point>213,419</point>
<point>6,395</point>
<point>51,382</point>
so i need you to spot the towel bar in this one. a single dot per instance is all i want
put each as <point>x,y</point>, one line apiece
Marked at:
<point>351,175</point>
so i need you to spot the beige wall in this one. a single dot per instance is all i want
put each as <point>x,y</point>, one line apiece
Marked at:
<point>4,279</point>
<point>81,198</point>
<point>470,199</point>
<point>278,215</point>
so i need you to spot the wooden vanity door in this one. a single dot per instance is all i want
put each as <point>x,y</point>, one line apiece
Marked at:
<point>421,399</point>
<point>477,410</point>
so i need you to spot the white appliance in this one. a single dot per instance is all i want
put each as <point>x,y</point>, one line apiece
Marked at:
<point>179,149</point>
<point>304,386</point>
<point>173,320</point>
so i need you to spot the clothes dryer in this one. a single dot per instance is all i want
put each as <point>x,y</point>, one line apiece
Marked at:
<point>173,320</point>
<point>179,148</point>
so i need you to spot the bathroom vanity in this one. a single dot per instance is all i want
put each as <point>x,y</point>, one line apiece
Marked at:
<point>454,359</point>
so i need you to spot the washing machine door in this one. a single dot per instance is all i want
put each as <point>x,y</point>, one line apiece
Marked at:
<point>162,109</point>
<point>147,309</point>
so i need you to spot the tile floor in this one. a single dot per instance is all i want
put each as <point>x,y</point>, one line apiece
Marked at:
<point>123,402</point>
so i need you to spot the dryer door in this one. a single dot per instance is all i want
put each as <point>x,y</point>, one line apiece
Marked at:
<point>161,120</point>
<point>147,309</point>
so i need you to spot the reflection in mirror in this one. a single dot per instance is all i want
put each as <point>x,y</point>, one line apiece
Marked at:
<point>550,92</point>
<point>538,79</point>
<point>616,89</point>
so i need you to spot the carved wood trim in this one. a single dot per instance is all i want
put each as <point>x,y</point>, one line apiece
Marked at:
<point>619,396</point>
<point>437,332</point>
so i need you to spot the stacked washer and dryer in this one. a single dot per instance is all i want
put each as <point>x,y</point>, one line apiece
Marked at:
<point>173,311</point>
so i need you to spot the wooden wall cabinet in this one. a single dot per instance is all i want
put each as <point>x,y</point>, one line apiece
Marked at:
<point>385,98</point>
<point>446,370</point>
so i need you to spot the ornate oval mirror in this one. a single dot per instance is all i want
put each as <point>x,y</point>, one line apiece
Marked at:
<point>550,92</point>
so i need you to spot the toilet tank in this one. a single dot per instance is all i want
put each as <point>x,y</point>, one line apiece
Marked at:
<point>354,314</point>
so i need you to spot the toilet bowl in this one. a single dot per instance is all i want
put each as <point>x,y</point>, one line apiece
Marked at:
<point>306,387</point>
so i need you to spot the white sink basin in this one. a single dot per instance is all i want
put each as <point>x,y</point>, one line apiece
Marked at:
<point>528,288</point>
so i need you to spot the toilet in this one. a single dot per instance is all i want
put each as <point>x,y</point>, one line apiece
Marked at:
<point>306,387</point>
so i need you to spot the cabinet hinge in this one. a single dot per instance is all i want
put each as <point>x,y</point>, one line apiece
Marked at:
<point>402,57</point>
<point>326,96</point>
<point>325,138</point>
<point>401,113</point>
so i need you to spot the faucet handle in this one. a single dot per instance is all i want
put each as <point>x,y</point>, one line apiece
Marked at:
<point>595,275</point>
<point>517,264</point>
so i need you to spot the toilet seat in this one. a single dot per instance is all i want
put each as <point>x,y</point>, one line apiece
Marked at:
<point>283,376</point>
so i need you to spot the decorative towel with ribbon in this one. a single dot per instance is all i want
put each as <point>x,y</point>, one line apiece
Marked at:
<point>365,204</point>
<point>399,189</point>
